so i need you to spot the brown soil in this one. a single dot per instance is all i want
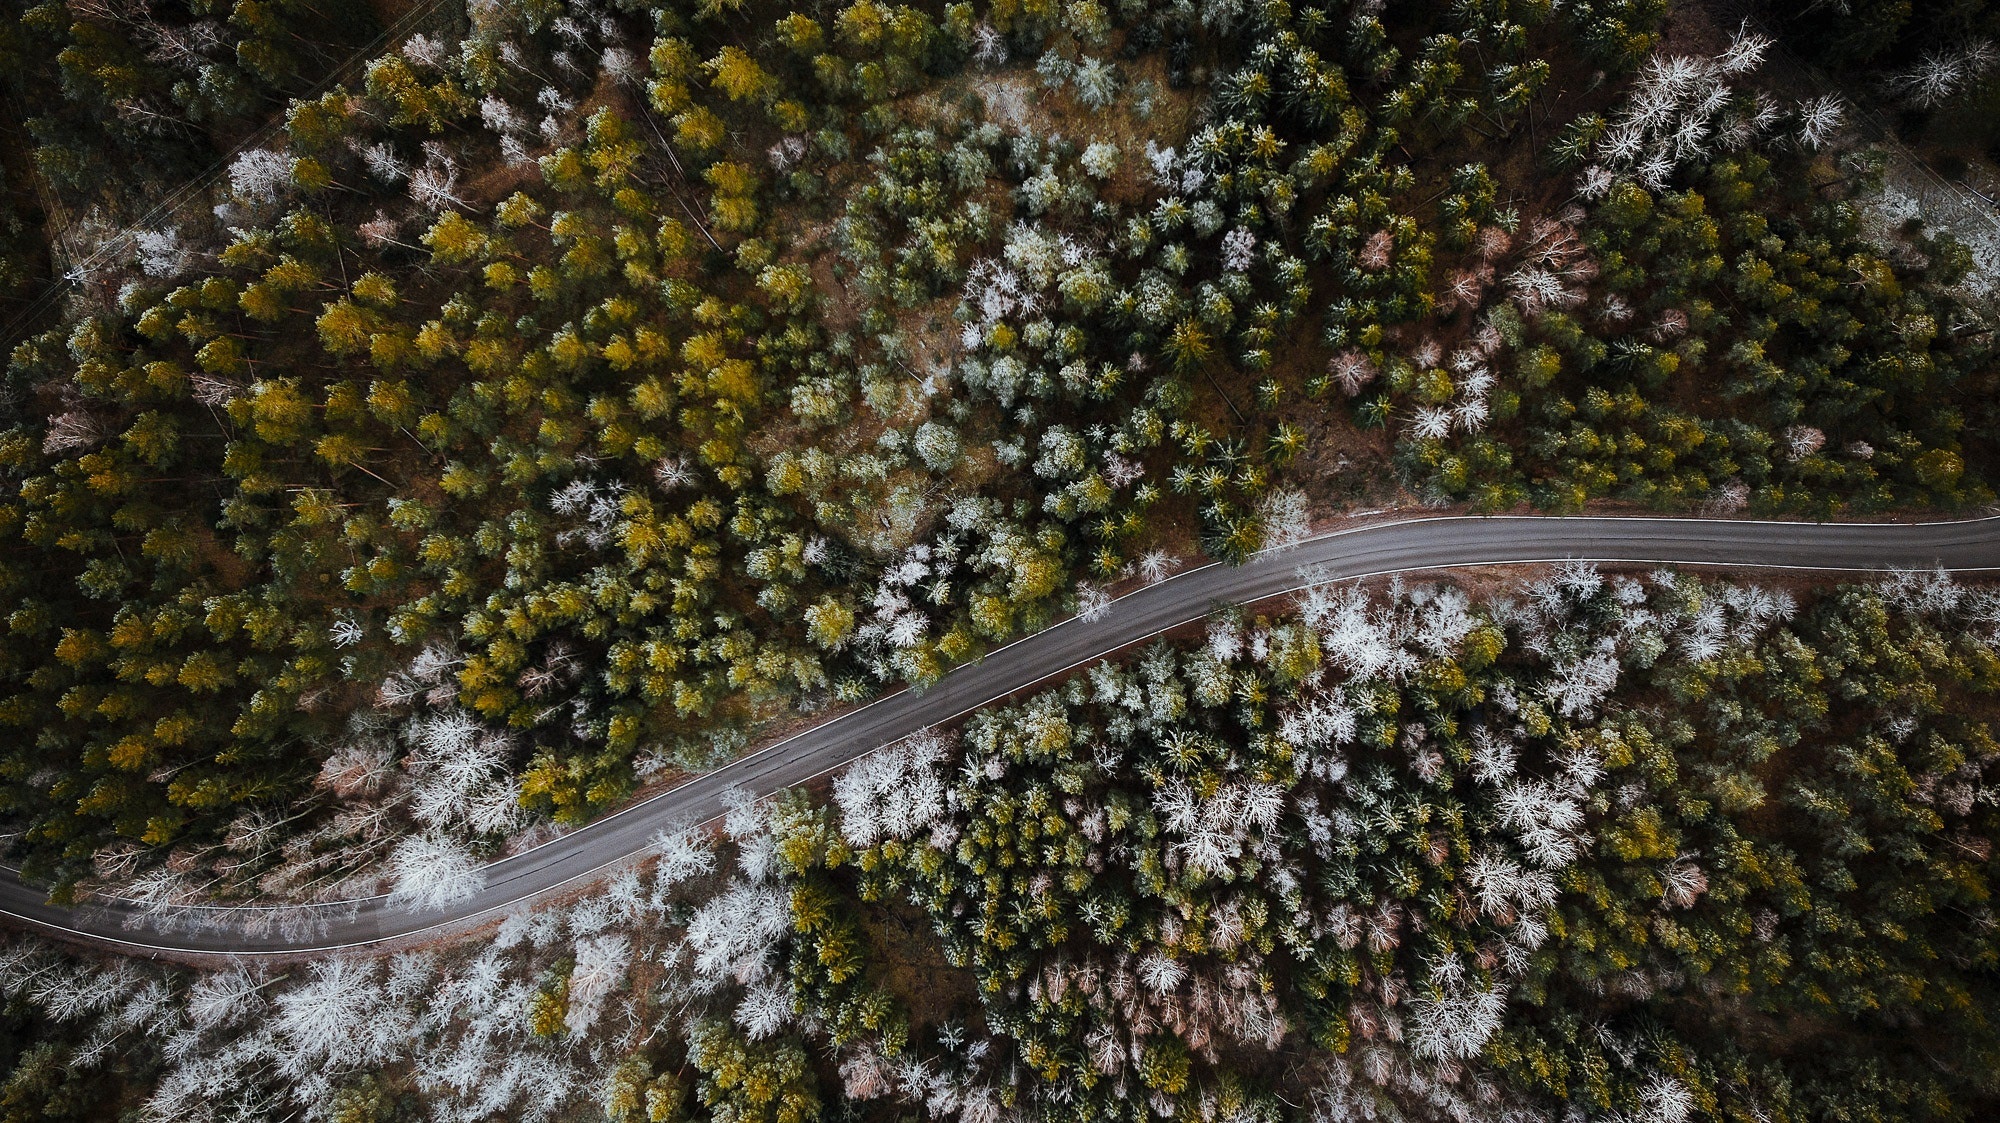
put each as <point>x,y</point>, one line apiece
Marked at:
<point>910,965</point>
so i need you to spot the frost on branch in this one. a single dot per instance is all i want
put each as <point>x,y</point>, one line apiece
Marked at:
<point>1681,109</point>
<point>683,853</point>
<point>893,792</point>
<point>1944,73</point>
<point>338,1019</point>
<point>601,962</point>
<point>1287,518</point>
<point>1819,119</point>
<point>1388,792</point>
<point>260,175</point>
<point>734,935</point>
<point>1456,1022</point>
<point>430,872</point>
<point>161,254</point>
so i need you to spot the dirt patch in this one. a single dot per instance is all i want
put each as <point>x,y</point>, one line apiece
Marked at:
<point>486,189</point>
<point>1343,467</point>
<point>910,965</point>
<point>1692,29</point>
<point>1146,110</point>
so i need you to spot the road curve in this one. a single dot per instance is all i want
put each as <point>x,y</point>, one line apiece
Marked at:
<point>1409,545</point>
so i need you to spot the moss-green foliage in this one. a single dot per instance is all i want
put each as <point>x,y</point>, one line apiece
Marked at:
<point>743,1082</point>
<point>635,1093</point>
<point>1775,898</point>
<point>1762,342</point>
<point>42,1077</point>
<point>372,1099</point>
<point>565,426</point>
<point>1836,959</point>
<point>120,108</point>
<point>587,335</point>
<point>616,409</point>
<point>1671,849</point>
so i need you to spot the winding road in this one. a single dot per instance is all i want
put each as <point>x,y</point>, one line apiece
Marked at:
<point>1403,546</point>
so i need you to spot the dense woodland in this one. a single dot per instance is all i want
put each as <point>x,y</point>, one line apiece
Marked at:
<point>608,387</point>
<point>427,424</point>
<point>1640,849</point>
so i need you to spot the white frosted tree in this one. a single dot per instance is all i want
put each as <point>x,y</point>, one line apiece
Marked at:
<point>434,187</point>
<point>1945,74</point>
<point>382,162</point>
<point>1819,119</point>
<point>1100,159</point>
<point>260,175</point>
<point>335,1020</point>
<point>432,872</point>
<point>1154,565</point>
<point>893,792</point>
<point>1092,602</point>
<point>1456,1022</point>
<point>937,445</point>
<point>601,962</point>
<point>160,252</point>
<point>1162,975</point>
<point>766,1009</point>
<point>1096,82</point>
<point>1287,518</point>
<point>736,933</point>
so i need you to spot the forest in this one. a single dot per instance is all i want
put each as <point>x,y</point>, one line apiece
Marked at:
<point>1638,847</point>
<point>427,426</point>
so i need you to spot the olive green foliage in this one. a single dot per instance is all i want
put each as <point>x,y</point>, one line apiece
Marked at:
<point>746,1083</point>
<point>119,99</point>
<point>1654,849</point>
<point>596,455</point>
<point>563,394</point>
<point>1828,773</point>
<point>637,1094</point>
<point>1776,898</point>
<point>245,526</point>
<point>1746,343</point>
<point>43,1078</point>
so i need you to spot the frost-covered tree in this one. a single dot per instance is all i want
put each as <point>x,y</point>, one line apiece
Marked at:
<point>433,873</point>
<point>1945,74</point>
<point>1100,159</point>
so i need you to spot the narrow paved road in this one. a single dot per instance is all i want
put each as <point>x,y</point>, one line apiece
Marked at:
<point>1389,547</point>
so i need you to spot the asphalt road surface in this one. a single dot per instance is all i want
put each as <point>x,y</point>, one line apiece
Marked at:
<point>1406,546</point>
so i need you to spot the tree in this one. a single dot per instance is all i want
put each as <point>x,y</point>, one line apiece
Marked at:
<point>745,1083</point>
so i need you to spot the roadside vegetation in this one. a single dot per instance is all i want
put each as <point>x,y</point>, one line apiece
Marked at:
<point>425,425</point>
<point>553,404</point>
<point>1652,848</point>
